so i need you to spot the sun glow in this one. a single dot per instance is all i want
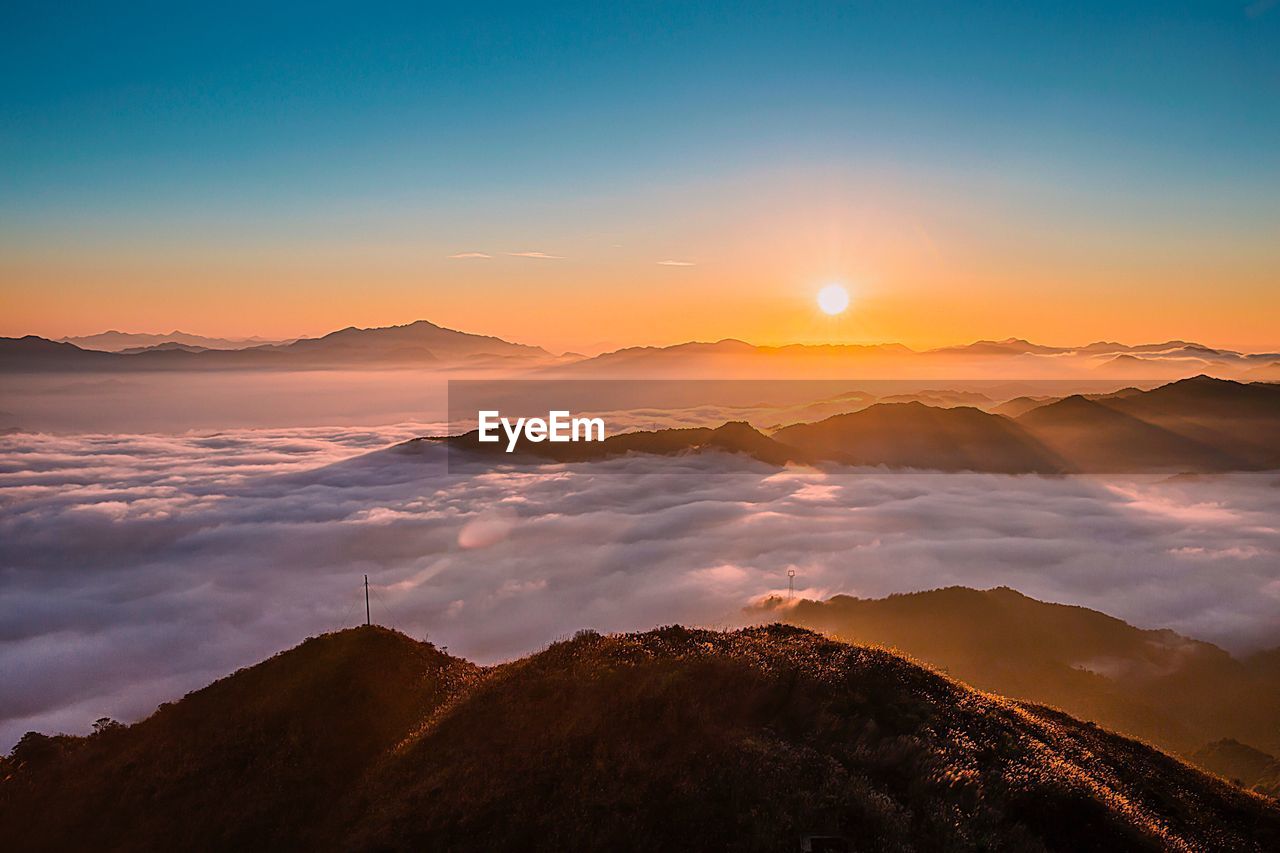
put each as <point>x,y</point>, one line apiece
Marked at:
<point>833,299</point>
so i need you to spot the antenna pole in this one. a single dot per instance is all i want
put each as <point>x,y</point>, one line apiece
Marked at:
<point>366,601</point>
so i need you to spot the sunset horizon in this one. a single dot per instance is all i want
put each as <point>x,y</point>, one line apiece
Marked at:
<point>597,347</point>
<point>820,426</point>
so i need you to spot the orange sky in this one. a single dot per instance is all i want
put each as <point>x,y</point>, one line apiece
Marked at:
<point>924,269</point>
<point>1065,174</point>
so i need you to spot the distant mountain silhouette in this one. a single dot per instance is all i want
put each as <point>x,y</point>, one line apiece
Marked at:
<point>1021,405</point>
<point>1242,764</point>
<point>416,341</point>
<point>114,341</point>
<point>419,343</point>
<point>732,358</point>
<point>1194,426</point>
<point>38,354</point>
<point>941,398</point>
<point>913,435</point>
<point>732,437</point>
<point>1173,691</point>
<point>167,345</point>
<point>1263,373</point>
<point>1095,435</point>
<point>1018,406</point>
<point>423,343</point>
<point>1240,418</point>
<point>1010,358</point>
<point>675,739</point>
<point>1009,346</point>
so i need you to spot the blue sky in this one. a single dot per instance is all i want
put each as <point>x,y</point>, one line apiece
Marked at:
<point>146,124</point>
<point>155,103</point>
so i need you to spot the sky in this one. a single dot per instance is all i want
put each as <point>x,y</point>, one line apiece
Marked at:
<point>587,176</point>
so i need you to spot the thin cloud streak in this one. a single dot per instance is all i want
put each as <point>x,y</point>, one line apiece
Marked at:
<point>538,255</point>
<point>461,256</point>
<point>675,263</point>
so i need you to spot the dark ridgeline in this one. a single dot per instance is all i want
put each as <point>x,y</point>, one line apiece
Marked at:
<point>1242,764</point>
<point>674,739</point>
<point>733,437</point>
<point>1175,692</point>
<point>1197,425</point>
<point>414,344</point>
<point>913,435</point>
<point>425,344</point>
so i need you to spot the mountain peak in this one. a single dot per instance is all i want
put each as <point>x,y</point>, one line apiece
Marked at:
<point>737,738</point>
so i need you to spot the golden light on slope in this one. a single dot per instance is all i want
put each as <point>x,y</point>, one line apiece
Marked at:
<point>833,299</point>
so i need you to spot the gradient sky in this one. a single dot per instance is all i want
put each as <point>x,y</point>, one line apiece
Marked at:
<point>1063,172</point>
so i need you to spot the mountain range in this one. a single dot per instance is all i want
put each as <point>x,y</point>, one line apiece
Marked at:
<point>114,341</point>
<point>674,739</point>
<point>422,343</point>
<point>417,344</point>
<point>1182,695</point>
<point>1012,358</point>
<point>1196,425</point>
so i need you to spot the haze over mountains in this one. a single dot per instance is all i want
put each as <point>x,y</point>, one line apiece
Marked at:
<point>114,341</point>
<point>1175,692</point>
<point>674,739</point>
<point>1012,358</point>
<point>426,344</point>
<point>416,344</point>
<point>1197,425</point>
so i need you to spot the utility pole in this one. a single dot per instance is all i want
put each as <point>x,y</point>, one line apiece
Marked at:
<point>366,601</point>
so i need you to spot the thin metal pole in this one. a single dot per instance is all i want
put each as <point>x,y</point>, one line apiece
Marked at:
<point>367,621</point>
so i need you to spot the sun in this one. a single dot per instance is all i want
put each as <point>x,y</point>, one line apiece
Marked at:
<point>833,299</point>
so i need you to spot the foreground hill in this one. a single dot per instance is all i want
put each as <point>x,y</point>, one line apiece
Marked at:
<point>251,762</point>
<point>674,739</point>
<point>1173,691</point>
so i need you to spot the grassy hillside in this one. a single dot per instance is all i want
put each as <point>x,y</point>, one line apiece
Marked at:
<point>251,762</point>
<point>673,739</point>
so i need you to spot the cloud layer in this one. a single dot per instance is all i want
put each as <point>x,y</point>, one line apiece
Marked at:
<point>135,568</point>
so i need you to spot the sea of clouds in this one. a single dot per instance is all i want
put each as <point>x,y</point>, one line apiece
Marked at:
<point>134,568</point>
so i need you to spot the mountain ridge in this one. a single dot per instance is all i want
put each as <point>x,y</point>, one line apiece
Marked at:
<point>1173,691</point>
<point>114,340</point>
<point>1164,430</point>
<point>690,358</point>
<point>674,738</point>
<point>413,344</point>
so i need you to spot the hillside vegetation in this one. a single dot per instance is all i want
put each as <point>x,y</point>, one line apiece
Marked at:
<point>673,739</point>
<point>1174,691</point>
